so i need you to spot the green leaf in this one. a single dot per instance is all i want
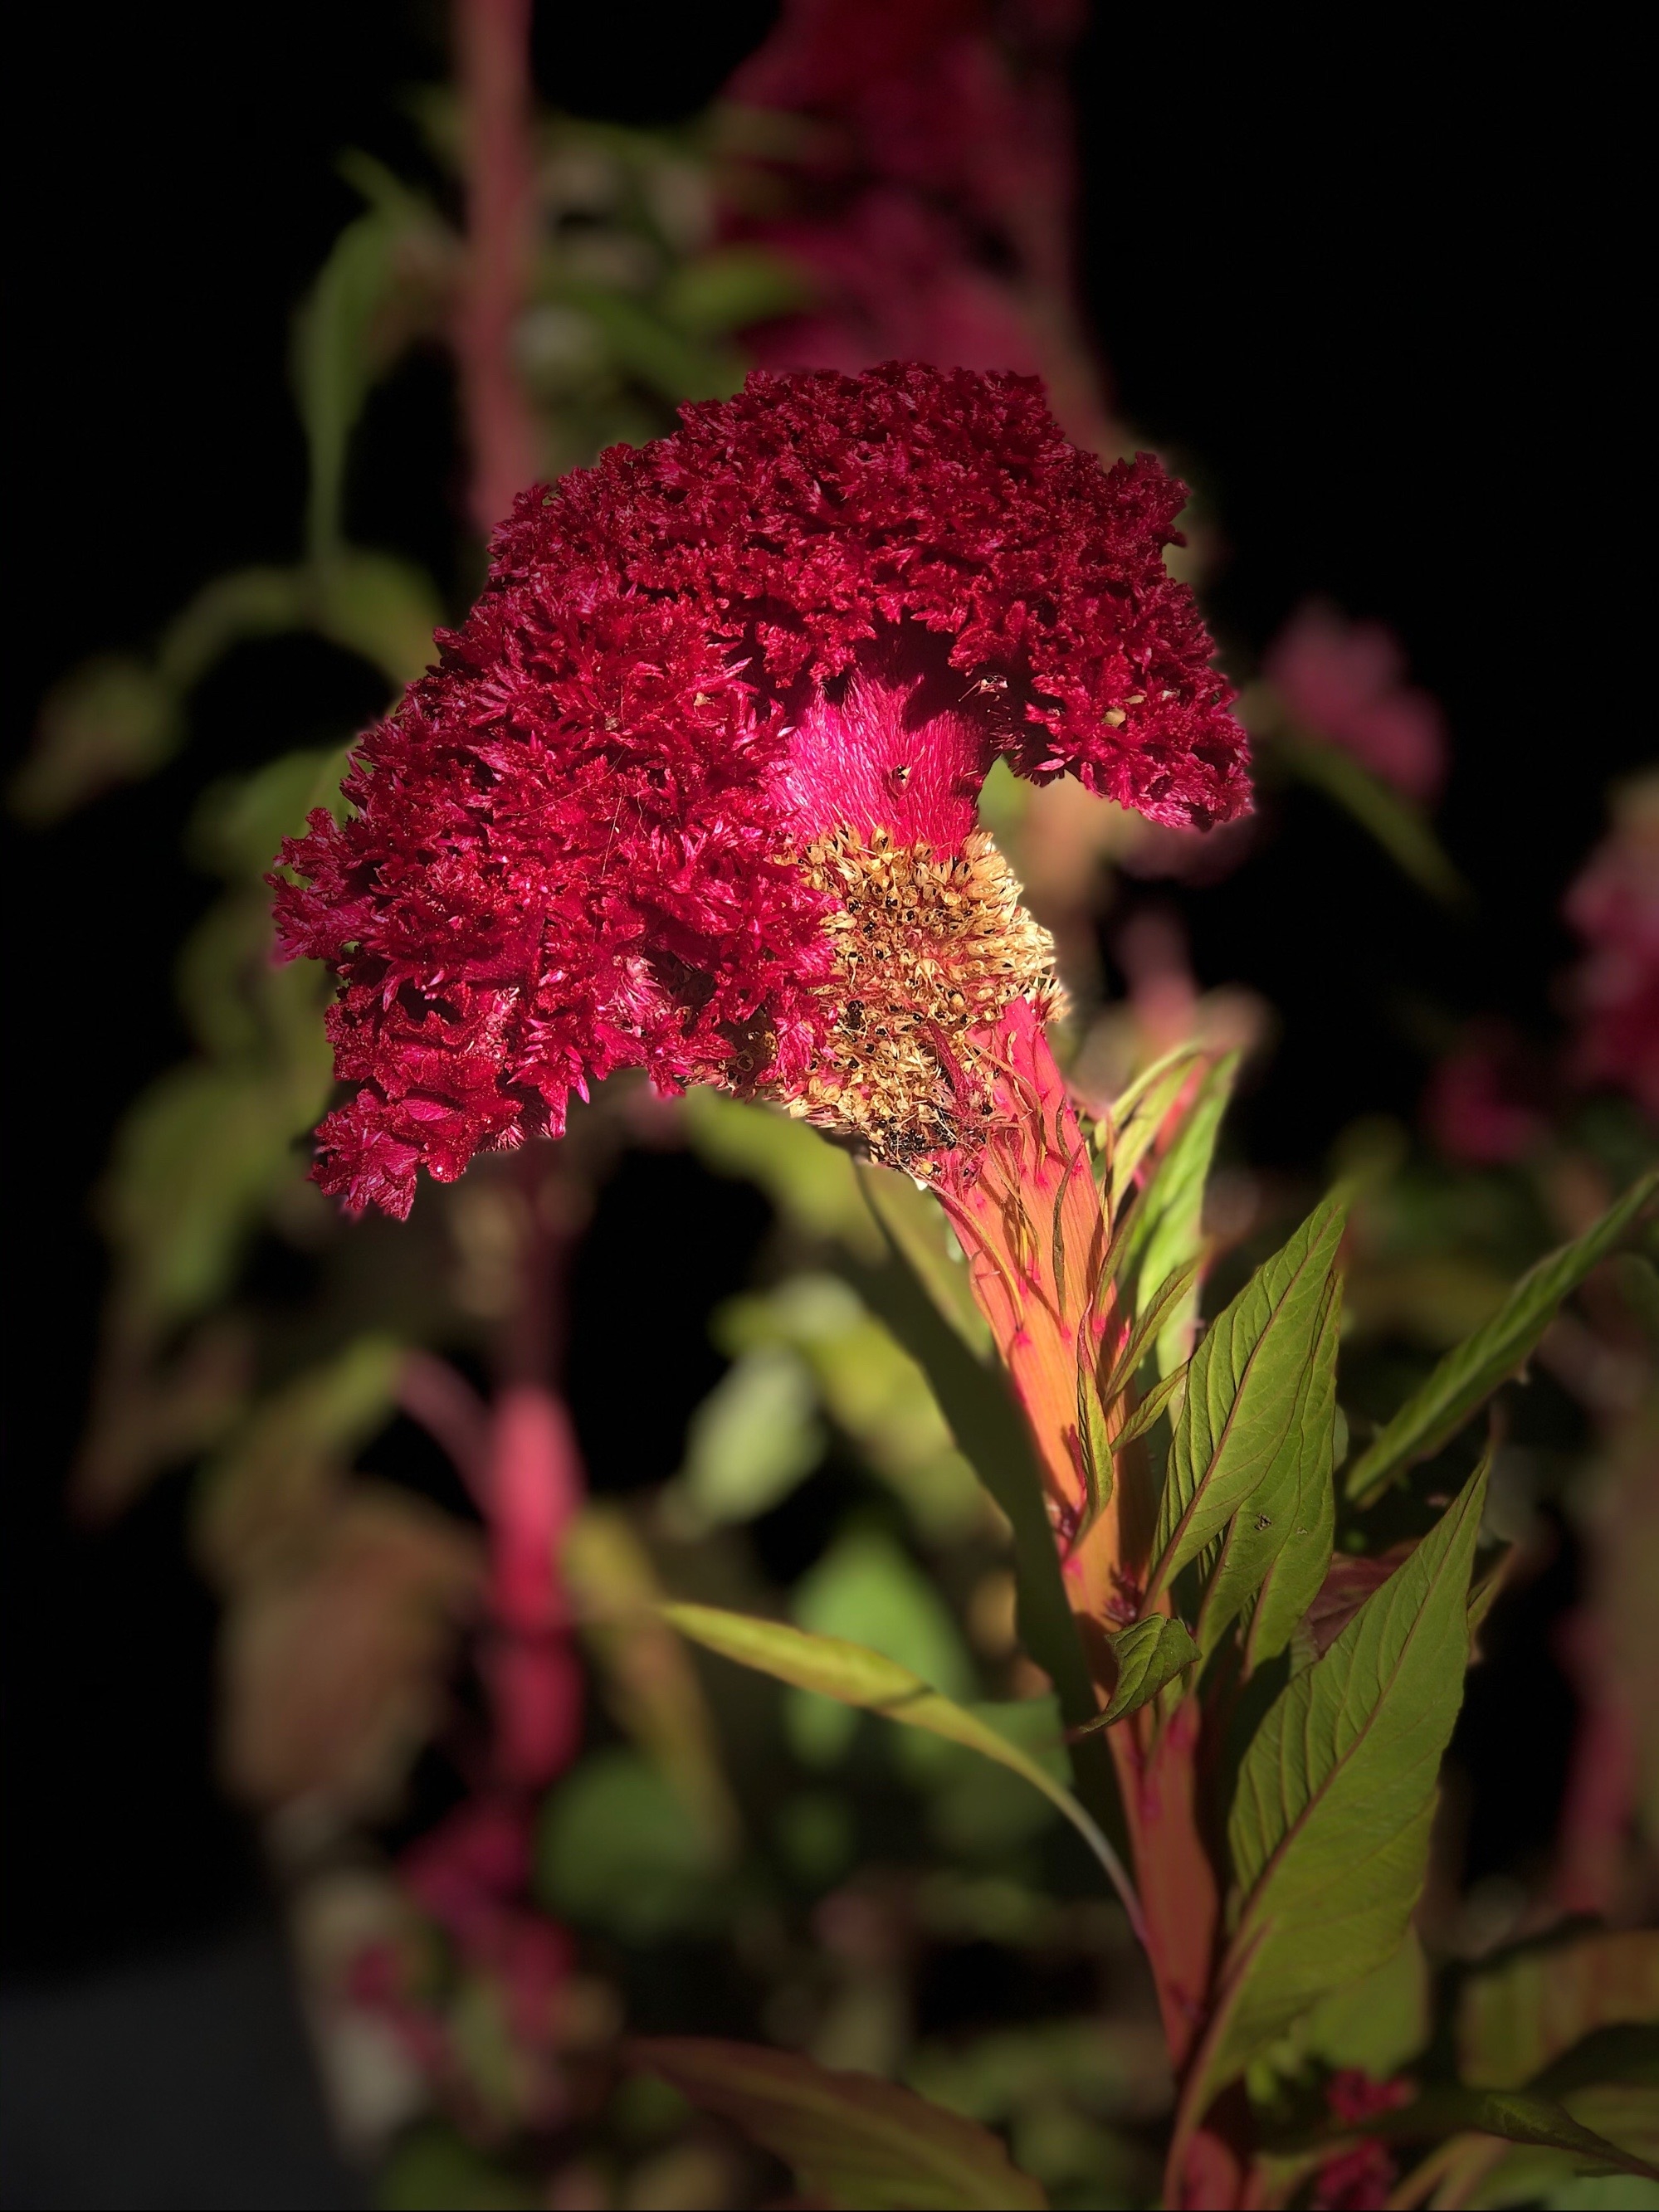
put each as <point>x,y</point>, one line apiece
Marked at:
<point>1401,829</point>
<point>1138,1114</point>
<point>616,1850</point>
<point>732,287</point>
<point>855,1675</point>
<point>1329,1826</point>
<point>379,607</point>
<point>1176,1292</point>
<point>1278,1546</point>
<point>812,1183</point>
<point>1165,1231</point>
<point>753,1439</point>
<point>1519,2015</point>
<point>248,604</point>
<point>653,350</point>
<point>434,2169</point>
<point>852,2141</point>
<point>113,721</point>
<point>913,1223</point>
<point>334,361</point>
<point>865,1588</point>
<point>196,1161</point>
<point>1246,1384</point>
<point>1468,1375</point>
<point>1156,1401</point>
<point>254,1492</point>
<point>1149,1654</point>
<point>1516,2116</point>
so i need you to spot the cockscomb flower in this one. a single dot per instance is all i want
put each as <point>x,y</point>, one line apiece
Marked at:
<point>694,788</point>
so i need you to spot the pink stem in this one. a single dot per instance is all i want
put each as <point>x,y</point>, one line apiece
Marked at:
<point>492,41</point>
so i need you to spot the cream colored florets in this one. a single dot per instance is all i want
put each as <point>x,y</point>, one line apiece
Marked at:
<point>929,947</point>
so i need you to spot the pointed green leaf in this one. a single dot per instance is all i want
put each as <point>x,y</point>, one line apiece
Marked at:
<point>1278,1541</point>
<point>853,1675</point>
<point>1165,1232</point>
<point>1156,1400</point>
<point>1468,1375</point>
<point>1149,1654</point>
<point>1175,1293</point>
<point>1244,1385</point>
<point>853,2142</point>
<point>1516,2116</point>
<point>1138,1115</point>
<point>1329,1826</point>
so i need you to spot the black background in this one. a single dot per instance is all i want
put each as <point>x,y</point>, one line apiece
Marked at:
<point>1362,287</point>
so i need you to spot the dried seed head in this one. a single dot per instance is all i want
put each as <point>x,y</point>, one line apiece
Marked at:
<point>928,947</point>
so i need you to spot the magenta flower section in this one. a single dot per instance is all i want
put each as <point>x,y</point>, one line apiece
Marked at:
<point>1346,682</point>
<point>1614,993</point>
<point>830,601</point>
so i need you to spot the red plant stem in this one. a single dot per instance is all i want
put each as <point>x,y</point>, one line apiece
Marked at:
<point>1598,1811</point>
<point>1034,1225</point>
<point>492,55</point>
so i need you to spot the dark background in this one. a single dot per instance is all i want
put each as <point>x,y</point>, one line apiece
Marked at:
<point>1361,290</point>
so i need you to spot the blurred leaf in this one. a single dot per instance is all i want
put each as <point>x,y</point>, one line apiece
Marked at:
<point>810,1182</point>
<point>334,359</point>
<point>851,2141</point>
<point>196,1161</point>
<point>645,346</point>
<point>991,1432</point>
<point>1247,1384</point>
<point>866,1590</point>
<point>753,1439</point>
<point>381,608</point>
<point>280,1462</point>
<point>1149,1654</point>
<point>1378,2023</point>
<point>248,604</point>
<point>616,1851</point>
<point>1328,1830</point>
<point>1516,2116</point>
<point>336,1647</point>
<point>1516,2017</point>
<point>913,1223</point>
<point>1165,1232</point>
<point>1467,1377</point>
<point>731,288</point>
<point>651,1685</point>
<point>855,1675</point>
<point>113,721</point>
<point>239,823</point>
<point>433,2169</point>
<point>979,1811</point>
<point>1401,829</point>
<point>871,1389</point>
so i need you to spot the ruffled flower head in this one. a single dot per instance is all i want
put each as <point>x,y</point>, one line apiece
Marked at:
<point>694,788</point>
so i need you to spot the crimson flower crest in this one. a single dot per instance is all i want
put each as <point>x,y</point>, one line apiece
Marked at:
<point>694,788</point>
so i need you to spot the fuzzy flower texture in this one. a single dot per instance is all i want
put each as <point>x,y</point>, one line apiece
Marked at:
<point>694,789</point>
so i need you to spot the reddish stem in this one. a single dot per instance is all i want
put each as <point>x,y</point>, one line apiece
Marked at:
<point>492,54</point>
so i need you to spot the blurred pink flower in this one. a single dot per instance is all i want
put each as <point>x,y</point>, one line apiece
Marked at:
<point>932,192</point>
<point>1476,1107</point>
<point>1614,993</point>
<point>1345,682</point>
